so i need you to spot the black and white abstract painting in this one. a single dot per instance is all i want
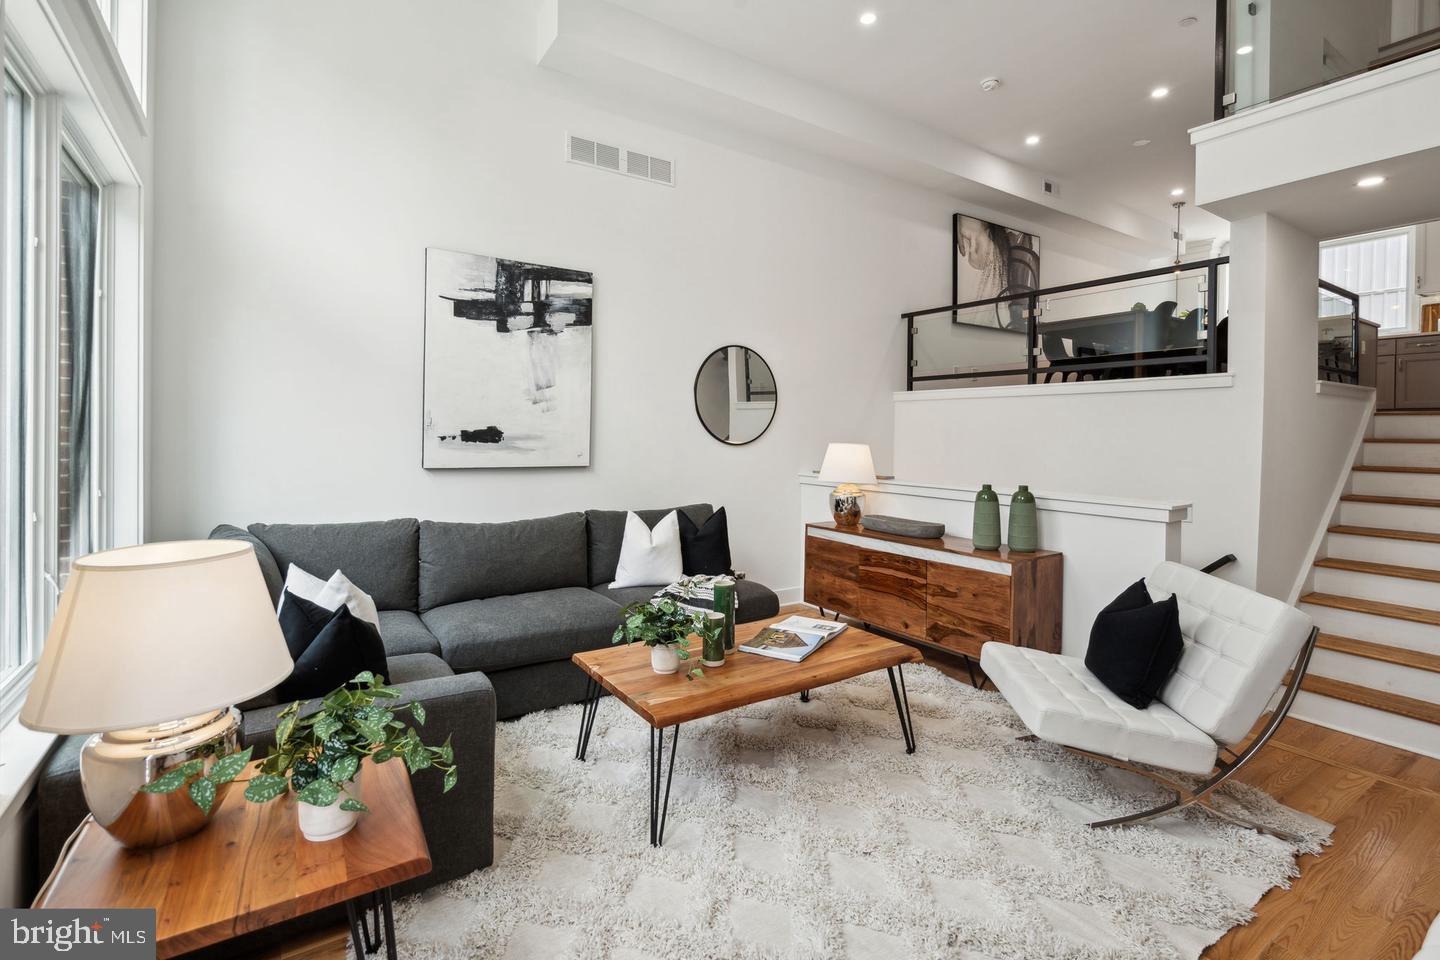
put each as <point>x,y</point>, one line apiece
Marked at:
<point>993,261</point>
<point>507,363</point>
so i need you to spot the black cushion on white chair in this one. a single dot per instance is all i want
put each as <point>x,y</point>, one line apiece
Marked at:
<point>1135,645</point>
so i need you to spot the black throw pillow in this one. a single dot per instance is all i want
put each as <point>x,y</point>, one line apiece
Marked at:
<point>705,549</point>
<point>1135,645</point>
<point>343,646</point>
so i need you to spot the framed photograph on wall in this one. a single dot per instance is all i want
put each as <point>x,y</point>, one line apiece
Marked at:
<point>992,261</point>
<point>507,363</point>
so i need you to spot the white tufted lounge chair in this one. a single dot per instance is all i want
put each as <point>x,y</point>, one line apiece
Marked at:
<point>1238,646</point>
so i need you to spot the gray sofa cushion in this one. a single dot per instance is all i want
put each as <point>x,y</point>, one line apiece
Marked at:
<point>403,632</point>
<point>472,561</point>
<point>409,667</point>
<point>607,532</point>
<point>753,601</point>
<point>269,569</point>
<point>498,633</point>
<point>379,557</point>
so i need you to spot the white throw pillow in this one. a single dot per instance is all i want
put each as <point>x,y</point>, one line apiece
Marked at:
<point>648,557</point>
<point>330,594</point>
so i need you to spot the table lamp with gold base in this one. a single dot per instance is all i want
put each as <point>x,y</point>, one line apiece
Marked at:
<point>150,646</point>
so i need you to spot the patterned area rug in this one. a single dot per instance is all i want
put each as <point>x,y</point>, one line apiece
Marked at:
<point>804,830</point>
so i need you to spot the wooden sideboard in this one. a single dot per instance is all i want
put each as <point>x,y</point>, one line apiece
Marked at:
<point>940,592</point>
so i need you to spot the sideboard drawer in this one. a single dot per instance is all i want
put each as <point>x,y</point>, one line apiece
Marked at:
<point>892,592</point>
<point>967,608</point>
<point>832,575</point>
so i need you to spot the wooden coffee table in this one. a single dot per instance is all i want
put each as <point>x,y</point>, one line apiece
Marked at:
<point>668,700</point>
<point>251,868</point>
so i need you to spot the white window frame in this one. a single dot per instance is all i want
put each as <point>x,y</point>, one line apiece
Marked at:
<point>1410,309</point>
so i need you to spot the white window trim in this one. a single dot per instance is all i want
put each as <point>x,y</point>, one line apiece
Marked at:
<point>1411,310</point>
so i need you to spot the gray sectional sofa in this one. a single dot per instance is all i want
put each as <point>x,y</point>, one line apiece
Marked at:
<point>479,621</point>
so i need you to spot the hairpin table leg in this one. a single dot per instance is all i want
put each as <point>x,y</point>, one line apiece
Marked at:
<point>588,708</point>
<point>902,706</point>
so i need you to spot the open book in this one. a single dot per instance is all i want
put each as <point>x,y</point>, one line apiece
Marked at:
<point>793,638</point>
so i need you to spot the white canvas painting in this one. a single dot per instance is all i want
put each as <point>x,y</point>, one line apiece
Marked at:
<point>507,363</point>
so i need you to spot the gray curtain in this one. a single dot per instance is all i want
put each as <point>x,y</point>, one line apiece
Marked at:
<point>79,280</point>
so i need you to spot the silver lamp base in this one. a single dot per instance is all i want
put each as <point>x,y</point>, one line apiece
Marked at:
<point>847,508</point>
<point>115,765</point>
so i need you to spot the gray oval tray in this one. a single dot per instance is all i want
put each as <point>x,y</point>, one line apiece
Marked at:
<point>900,527</point>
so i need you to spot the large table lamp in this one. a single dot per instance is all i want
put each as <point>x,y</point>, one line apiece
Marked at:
<point>149,649</point>
<point>847,465</point>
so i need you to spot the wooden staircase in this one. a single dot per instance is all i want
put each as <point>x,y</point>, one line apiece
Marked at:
<point>1375,593</point>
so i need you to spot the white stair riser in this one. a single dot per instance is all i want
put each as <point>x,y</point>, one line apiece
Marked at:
<point>1401,454</point>
<point>1369,586</point>
<point>1393,729</point>
<point>1377,675</point>
<point>1396,484</point>
<point>1391,516</point>
<point>1368,626</point>
<point>1404,553</point>
<point>1416,426</point>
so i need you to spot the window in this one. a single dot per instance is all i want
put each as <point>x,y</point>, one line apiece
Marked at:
<point>75,489</point>
<point>125,21</point>
<point>1378,267</point>
<point>15,646</point>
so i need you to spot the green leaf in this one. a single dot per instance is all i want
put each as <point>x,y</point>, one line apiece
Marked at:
<point>353,805</point>
<point>383,754</point>
<point>327,726</point>
<point>451,776</point>
<point>202,791</point>
<point>283,730</point>
<point>321,793</point>
<point>417,711</point>
<point>364,677</point>
<point>344,768</point>
<point>228,768</point>
<point>265,787</point>
<point>447,752</point>
<point>168,782</point>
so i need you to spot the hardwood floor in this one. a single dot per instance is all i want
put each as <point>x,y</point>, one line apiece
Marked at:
<point>1371,895</point>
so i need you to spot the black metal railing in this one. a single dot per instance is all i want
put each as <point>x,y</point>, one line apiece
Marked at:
<point>1339,353</point>
<point>1134,342</point>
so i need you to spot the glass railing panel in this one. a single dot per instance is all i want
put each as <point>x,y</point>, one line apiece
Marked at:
<point>1158,322</point>
<point>1336,351</point>
<point>978,346</point>
<point>1278,48</point>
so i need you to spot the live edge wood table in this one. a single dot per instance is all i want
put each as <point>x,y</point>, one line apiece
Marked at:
<point>940,593</point>
<point>668,700</point>
<point>251,868</point>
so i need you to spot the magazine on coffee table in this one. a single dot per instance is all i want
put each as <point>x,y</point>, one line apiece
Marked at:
<point>793,638</point>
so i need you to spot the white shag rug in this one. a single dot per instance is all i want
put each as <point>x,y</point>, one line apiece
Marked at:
<point>803,830</point>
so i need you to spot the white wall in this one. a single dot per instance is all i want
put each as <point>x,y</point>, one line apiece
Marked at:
<point>307,155</point>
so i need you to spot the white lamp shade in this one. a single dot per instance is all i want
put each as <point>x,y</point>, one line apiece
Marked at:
<point>157,632</point>
<point>848,463</point>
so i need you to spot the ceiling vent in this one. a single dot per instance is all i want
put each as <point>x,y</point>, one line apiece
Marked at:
<point>632,163</point>
<point>1052,189</point>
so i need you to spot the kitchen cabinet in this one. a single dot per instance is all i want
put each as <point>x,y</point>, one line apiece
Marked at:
<point>1417,372</point>
<point>1427,258</point>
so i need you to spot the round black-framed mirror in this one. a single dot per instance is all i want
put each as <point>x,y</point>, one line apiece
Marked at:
<point>735,395</point>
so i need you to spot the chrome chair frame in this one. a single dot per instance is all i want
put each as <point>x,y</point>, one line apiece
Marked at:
<point>1186,796</point>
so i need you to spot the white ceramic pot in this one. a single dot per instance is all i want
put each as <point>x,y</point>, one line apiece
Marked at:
<point>330,823</point>
<point>664,659</point>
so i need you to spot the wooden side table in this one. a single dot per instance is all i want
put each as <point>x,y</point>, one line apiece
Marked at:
<point>251,869</point>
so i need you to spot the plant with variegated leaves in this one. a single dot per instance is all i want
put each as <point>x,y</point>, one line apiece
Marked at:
<point>316,755</point>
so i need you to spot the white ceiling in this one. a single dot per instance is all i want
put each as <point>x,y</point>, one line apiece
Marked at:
<point>1077,72</point>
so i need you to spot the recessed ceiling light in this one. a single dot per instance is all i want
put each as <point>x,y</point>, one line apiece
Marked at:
<point>1032,140</point>
<point>1141,143</point>
<point>1244,51</point>
<point>1159,93</point>
<point>868,18</point>
<point>1178,192</point>
<point>1373,181</point>
<point>1189,21</point>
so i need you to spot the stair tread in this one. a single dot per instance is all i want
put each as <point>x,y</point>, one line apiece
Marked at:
<point>1384,652</point>
<point>1407,413</point>
<point>1385,533</point>
<point>1402,439</point>
<point>1379,569</point>
<point>1397,501</point>
<point>1369,697</point>
<point>1381,468</point>
<point>1379,608</point>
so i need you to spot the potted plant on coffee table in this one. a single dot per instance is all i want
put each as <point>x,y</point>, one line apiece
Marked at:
<point>320,757</point>
<point>664,626</point>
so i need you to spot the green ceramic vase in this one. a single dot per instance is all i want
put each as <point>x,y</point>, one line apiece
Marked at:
<point>1024,537</point>
<point>987,519</point>
<point>725,603</point>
